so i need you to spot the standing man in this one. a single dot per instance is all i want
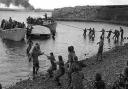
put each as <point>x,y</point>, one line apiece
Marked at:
<point>85,30</point>
<point>122,33</point>
<point>100,50</point>
<point>53,64</point>
<point>34,55</point>
<point>30,44</point>
<point>109,33</point>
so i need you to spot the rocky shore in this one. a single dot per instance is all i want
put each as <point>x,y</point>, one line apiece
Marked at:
<point>113,63</point>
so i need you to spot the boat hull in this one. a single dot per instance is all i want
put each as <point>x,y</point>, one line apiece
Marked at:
<point>16,34</point>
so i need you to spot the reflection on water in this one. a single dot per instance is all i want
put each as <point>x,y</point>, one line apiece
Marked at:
<point>14,63</point>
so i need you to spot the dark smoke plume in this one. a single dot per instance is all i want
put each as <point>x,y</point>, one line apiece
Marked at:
<point>24,3</point>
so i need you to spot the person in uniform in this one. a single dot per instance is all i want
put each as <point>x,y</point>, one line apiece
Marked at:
<point>109,33</point>
<point>122,33</point>
<point>53,64</point>
<point>76,78</point>
<point>100,50</point>
<point>61,70</point>
<point>99,83</point>
<point>36,52</point>
<point>30,44</point>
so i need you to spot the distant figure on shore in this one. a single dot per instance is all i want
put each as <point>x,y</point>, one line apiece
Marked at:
<point>99,83</point>
<point>100,50</point>
<point>109,33</point>
<point>122,33</point>
<point>76,78</point>
<point>34,54</point>
<point>61,70</point>
<point>53,67</point>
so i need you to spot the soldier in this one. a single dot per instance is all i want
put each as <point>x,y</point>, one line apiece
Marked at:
<point>85,31</point>
<point>122,32</point>
<point>76,78</point>
<point>34,55</point>
<point>30,44</point>
<point>109,33</point>
<point>99,83</point>
<point>103,33</point>
<point>61,70</point>
<point>53,64</point>
<point>100,50</point>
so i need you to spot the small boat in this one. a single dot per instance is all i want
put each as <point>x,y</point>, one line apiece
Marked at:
<point>15,34</point>
<point>43,22</point>
<point>40,32</point>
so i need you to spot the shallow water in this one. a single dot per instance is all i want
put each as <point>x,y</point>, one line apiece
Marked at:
<point>13,61</point>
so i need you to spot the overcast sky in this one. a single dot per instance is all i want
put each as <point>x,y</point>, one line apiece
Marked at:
<point>51,4</point>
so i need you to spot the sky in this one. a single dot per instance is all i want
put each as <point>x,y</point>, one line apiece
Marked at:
<point>51,4</point>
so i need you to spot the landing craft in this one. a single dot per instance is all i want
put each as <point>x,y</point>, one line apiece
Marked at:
<point>15,34</point>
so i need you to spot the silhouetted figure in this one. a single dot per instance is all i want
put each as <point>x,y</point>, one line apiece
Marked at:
<point>100,50</point>
<point>85,31</point>
<point>99,83</point>
<point>109,33</point>
<point>30,44</point>
<point>61,70</point>
<point>71,57</point>
<point>122,32</point>
<point>10,20</point>
<point>93,33</point>
<point>29,31</point>
<point>53,67</point>
<point>36,52</point>
<point>116,35</point>
<point>103,33</point>
<point>46,16</point>
<point>76,78</point>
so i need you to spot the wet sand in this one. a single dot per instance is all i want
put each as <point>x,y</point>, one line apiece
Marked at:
<point>113,62</point>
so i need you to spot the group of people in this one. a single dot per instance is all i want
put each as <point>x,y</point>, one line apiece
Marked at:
<point>10,24</point>
<point>91,33</point>
<point>117,33</point>
<point>39,21</point>
<point>72,68</point>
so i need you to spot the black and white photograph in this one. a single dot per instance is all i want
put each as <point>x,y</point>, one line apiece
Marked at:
<point>63,44</point>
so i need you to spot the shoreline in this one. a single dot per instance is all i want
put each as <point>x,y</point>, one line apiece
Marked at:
<point>124,23</point>
<point>114,61</point>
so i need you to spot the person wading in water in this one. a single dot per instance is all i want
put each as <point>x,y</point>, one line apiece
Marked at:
<point>122,33</point>
<point>85,31</point>
<point>30,44</point>
<point>34,55</point>
<point>53,64</point>
<point>100,50</point>
<point>109,33</point>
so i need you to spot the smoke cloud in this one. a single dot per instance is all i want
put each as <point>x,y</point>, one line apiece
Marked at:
<point>24,3</point>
